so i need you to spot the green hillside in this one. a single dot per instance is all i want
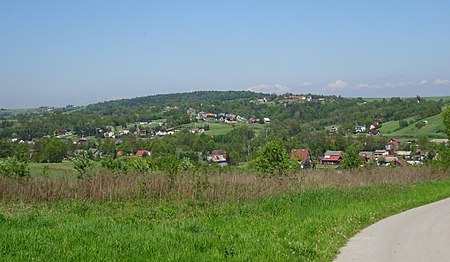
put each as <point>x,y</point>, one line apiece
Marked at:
<point>433,129</point>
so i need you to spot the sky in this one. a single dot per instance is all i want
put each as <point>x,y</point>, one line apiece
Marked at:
<point>56,53</point>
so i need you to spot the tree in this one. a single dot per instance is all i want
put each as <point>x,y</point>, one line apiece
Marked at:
<point>403,123</point>
<point>351,158</point>
<point>50,150</point>
<point>446,119</point>
<point>82,163</point>
<point>272,158</point>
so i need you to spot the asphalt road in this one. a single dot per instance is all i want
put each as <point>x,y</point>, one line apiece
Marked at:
<point>419,234</point>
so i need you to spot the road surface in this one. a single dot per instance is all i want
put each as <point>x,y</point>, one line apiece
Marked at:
<point>419,234</point>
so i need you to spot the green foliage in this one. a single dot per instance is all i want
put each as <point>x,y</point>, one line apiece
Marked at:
<point>139,164</point>
<point>272,158</point>
<point>307,226</point>
<point>441,158</point>
<point>446,119</point>
<point>169,163</point>
<point>115,165</point>
<point>403,123</point>
<point>82,164</point>
<point>50,150</point>
<point>351,158</point>
<point>14,168</point>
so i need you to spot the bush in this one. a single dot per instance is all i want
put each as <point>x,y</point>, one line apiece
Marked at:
<point>138,164</point>
<point>14,168</point>
<point>82,163</point>
<point>351,158</point>
<point>442,159</point>
<point>272,159</point>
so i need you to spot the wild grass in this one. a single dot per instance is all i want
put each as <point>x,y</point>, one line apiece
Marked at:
<point>103,186</point>
<point>204,217</point>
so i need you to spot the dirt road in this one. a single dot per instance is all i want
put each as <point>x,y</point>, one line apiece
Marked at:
<point>419,234</point>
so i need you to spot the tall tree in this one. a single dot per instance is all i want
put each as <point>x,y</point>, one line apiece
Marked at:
<point>446,119</point>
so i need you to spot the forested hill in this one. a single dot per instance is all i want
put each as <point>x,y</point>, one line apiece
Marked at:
<point>290,114</point>
<point>192,99</point>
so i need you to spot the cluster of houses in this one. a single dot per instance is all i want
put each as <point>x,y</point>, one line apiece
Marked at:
<point>390,155</point>
<point>298,97</point>
<point>371,129</point>
<point>229,118</point>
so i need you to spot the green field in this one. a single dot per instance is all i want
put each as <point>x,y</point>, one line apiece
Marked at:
<point>428,98</point>
<point>434,128</point>
<point>307,225</point>
<point>221,128</point>
<point>52,169</point>
<point>300,227</point>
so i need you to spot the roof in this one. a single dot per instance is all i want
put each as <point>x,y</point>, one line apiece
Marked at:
<point>368,154</point>
<point>334,153</point>
<point>332,159</point>
<point>218,152</point>
<point>394,141</point>
<point>142,153</point>
<point>299,154</point>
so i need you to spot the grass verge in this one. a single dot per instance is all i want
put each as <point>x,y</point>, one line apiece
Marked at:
<point>310,224</point>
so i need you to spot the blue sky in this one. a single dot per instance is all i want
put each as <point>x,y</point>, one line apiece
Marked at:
<point>79,52</point>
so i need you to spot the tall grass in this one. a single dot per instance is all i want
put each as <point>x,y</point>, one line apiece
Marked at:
<point>231,185</point>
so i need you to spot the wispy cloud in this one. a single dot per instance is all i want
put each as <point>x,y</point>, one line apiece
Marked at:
<point>441,82</point>
<point>423,82</point>
<point>306,84</point>
<point>337,85</point>
<point>264,88</point>
<point>362,85</point>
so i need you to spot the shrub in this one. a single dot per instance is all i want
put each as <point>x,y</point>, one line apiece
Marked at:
<point>138,164</point>
<point>351,159</point>
<point>14,168</point>
<point>272,158</point>
<point>442,159</point>
<point>82,163</point>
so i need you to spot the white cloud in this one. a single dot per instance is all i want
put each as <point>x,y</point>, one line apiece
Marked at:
<point>338,84</point>
<point>264,88</point>
<point>442,82</point>
<point>423,82</point>
<point>363,85</point>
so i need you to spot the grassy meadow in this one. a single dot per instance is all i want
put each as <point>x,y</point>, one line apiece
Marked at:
<point>434,128</point>
<point>215,216</point>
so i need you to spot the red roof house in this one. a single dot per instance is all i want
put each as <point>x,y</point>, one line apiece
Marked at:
<point>299,154</point>
<point>332,157</point>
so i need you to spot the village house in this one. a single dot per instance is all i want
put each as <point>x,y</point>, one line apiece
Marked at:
<point>332,157</point>
<point>145,121</point>
<point>393,145</point>
<point>302,156</point>
<point>360,129</point>
<point>380,153</point>
<point>334,129</point>
<point>109,134</point>
<point>196,130</point>
<point>367,156</point>
<point>125,131</point>
<point>219,157</point>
